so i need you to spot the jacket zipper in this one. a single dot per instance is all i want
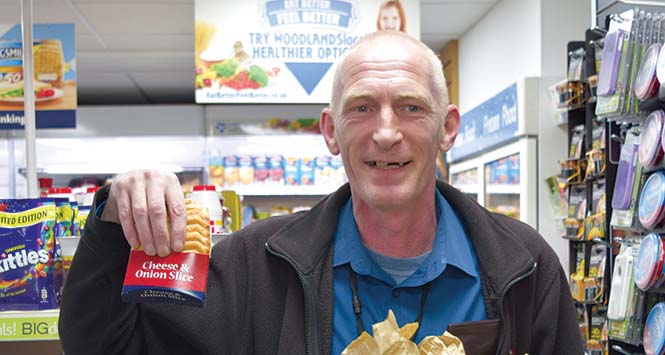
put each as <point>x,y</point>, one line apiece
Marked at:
<point>309,347</point>
<point>504,331</point>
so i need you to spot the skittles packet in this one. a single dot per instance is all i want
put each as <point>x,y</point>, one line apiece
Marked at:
<point>63,218</point>
<point>31,272</point>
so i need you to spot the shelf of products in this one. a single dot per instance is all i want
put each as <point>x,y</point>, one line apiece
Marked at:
<point>502,189</point>
<point>29,325</point>
<point>502,180</point>
<point>616,176</point>
<point>588,175</point>
<point>285,190</point>
<point>469,189</point>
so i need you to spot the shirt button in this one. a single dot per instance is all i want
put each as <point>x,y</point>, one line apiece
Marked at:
<point>395,293</point>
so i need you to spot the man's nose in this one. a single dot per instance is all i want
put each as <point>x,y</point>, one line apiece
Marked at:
<point>387,132</point>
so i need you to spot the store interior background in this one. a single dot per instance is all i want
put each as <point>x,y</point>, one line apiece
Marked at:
<point>136,107</point>
<point>136,94</point>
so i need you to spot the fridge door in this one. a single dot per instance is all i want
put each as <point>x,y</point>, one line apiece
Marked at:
<point>466,177</point>
<point>509,177</point>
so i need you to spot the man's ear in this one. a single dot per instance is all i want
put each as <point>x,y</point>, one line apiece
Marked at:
<point>327,128</point>
<point>450,128</point>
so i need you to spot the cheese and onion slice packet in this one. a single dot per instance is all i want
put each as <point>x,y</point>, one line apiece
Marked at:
<point>180,277</point>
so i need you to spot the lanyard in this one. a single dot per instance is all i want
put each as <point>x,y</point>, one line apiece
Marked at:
<point>357,306</point>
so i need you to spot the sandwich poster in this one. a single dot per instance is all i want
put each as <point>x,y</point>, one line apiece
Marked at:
<point>54,55</point>
<point>284,51</point>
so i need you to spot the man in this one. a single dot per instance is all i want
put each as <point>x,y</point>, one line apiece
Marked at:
<point>309,283</point>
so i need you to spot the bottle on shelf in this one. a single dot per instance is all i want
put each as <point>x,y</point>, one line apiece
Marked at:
<point>44,185</point>
<point>90,195</point>
<point>208,197</point>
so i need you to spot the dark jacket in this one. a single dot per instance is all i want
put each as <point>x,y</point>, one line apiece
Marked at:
<point>261,276</point>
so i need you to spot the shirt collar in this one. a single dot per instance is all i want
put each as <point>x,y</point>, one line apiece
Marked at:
<point>455,247</point>
<point>451,247</point>
<point>348,246</point>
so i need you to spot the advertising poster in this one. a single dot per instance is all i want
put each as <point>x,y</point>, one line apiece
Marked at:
<point>55,76</point>
<point>487,125</point>
<point>284,51</point>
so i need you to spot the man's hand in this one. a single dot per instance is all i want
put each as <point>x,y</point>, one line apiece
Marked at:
<point>142,201</point>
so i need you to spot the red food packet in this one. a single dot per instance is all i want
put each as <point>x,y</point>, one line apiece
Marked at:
<point>179,278</point>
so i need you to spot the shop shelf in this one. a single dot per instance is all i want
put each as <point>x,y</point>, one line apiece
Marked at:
<point>309,190</point>
<point>29,325</point>
<point>469,189</point>
<point>503,189</point>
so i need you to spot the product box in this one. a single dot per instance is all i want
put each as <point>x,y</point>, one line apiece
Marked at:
<point>292,171</point>
<point>337,174</point>
<point>276,170</point>
<point>178,278</point>
<point>231,171</point>
<point>245,170</point>
<point>31,273</point>
<point>261,170</point>
<point>306,172</point>
<point>216,170</point>
<point>322,170</point>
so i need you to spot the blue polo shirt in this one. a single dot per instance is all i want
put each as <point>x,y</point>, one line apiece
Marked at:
<point>451,269</point>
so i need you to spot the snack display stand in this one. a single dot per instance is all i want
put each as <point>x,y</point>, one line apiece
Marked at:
<point>615,160</point>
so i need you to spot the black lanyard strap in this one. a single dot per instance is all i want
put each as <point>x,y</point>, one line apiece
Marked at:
<point>357,307</point>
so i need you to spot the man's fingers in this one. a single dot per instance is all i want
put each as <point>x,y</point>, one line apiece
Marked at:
<point>145,201</point>
<point>157,218</point>
<point>140,214</point>
<point>123,205</point>
<point>175,203</point>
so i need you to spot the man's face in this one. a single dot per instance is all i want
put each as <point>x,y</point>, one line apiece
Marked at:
<point>390,19</point>
<point>387,124</point>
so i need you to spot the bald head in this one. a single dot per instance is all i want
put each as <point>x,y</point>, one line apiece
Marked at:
<point>397,43</point>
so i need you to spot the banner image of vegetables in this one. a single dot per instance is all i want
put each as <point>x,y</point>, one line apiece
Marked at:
<point>231,74</point>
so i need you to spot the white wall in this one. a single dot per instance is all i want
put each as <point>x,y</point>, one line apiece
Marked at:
<point>562,21</point>
<point>520,38</point>
<point>503,46</point>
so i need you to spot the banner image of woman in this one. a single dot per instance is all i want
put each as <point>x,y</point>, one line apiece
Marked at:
<point>391,16</point>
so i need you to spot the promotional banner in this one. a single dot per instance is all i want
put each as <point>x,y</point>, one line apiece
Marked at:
<point>490,123</point>
<point>55,76</point>
<point>284,51</point>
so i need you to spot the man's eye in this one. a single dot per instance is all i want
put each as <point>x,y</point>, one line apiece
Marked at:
<point>362,108</point>
<point>412,108</point>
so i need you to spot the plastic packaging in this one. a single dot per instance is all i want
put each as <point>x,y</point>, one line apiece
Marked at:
<point>621,285</point>
<point>208,197</point>
<point>623,187</point>
<point>610,65</point>
<point>90,195</point>
<point>654,330</point>
<point>649,263</point>
<point>61,192</point>
<point>650,140</point>
<point>660,66</point>
<point>30,265</point>
<point>44,185</point>
<point>652,201</point>
<point>646,83</point>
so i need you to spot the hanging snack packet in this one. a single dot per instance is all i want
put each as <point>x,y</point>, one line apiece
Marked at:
<point>31,272</point>
<point>179,278</point>
<point>64,217</point>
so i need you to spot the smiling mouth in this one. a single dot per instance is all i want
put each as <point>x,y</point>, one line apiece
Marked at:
<point>387,165</point>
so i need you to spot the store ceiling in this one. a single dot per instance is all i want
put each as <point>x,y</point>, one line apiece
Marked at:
<point>141,51</point>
